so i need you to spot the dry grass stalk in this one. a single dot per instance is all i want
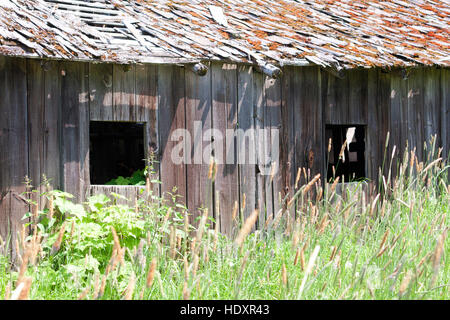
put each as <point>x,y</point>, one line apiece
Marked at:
<point>201,227</point>
<point>147,185</point>
<point>195,265</point>
<point>297,179</point>
<point>193,244</point>
<point>35,247</point>
<point>341,153</point>
<point>186,268</point>
<point>405,283</point>
<point>432,164</point>
<point>72,229</point>
<point>186,292</point>
<point>22,237</point>
<point>244,199</point>
<point>186,230</point>
<point>212,169</point>
<point>172,241</point>
<point>103,285</point>
<point>338,260</point>
<point>383,241</point>
<point>246,228</point>
<point>115,238</point>
<point>57,245</point>
<point>295,238</point>
<point>272,171</point>
<point>319,194</point>
<point>51,208</point>
<point>83,294</point>
<point>130,288</point>
<point>96,285</point>
<point>23,289</point>
<point>8,291</point>
<point>311,183</point>
<point>266,224</point>
<point>373,206</point>
<point>322,224</point>
<point>380,253</point>
<point>235,210</point>
<point>35,213</point>
<point>309,267</point>
<point>394,242</point>
<point>333,253</point>
<point>113,260</point>
<point>136,205</point>
<point>24,264</point>
<point>179,240</point>
<point>284,275</point>
<point>121,256</point>
<point>151,273</point>
<point>302,258</point>
<point>297,253</point>
<point>436,259</point>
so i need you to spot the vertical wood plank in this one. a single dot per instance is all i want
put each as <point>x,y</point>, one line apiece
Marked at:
<point>329,99</point>
<point>415,104</point>
<point>171,108</point>
<point>14,145</point>
<point>398,125</point>
<point>52,124</point>
<point>431,106</point>
<point>445,111</point>
<point>247,139</point>
<point>224,105</point>
<point>309,142</point>
<point>147,111</point>
<point>379,95</point>
<point>101,91</point>
<point>43,124</point>
<point>75,128</point>
<point>124,92</point>
<point>198,124</point>
<point>258,107</point>
<point>357,101</point>
<point>272,118</point>
<point>36,130</point>
<point>288,87</point>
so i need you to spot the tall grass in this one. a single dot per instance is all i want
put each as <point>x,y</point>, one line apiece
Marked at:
<point>323,244</point>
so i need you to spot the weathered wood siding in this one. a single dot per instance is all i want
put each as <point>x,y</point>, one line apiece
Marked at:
<point>14,141</point>
<point>45,109</point>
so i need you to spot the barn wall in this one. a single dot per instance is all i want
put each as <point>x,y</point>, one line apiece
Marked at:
<point>13,145</point>
<point>45,110</point>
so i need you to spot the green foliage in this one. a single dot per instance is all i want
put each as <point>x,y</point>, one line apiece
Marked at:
<point>136,179</point>
<point>393,245</point>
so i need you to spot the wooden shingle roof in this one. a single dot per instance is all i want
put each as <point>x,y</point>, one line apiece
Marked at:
<point>338,34</point>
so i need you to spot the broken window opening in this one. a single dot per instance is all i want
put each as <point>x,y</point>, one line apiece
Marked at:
<point>348,161</point>
<point>115,149</point>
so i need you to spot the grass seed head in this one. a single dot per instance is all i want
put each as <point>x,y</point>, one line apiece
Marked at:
<point>130,288</point>
<point>151,273</point>
<point>57,245</point>
<point>186,293</point>
<point>246,228</point>
<point>284,275</point>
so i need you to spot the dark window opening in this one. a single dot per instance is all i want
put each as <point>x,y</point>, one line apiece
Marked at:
<point>116,149</point>
<point>349,161</point>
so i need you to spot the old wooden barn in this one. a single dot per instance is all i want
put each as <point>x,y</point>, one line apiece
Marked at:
<point>90,88</point>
